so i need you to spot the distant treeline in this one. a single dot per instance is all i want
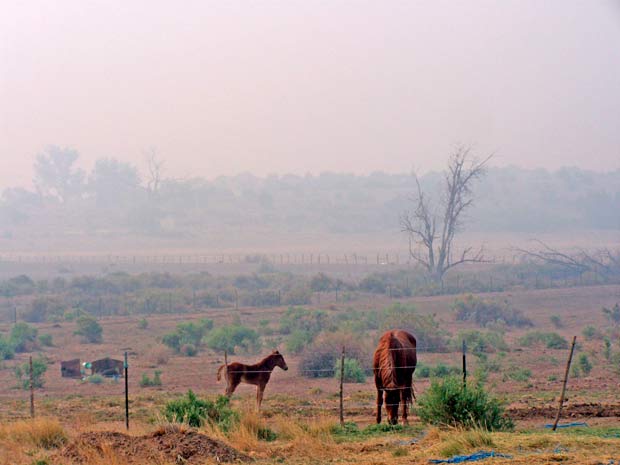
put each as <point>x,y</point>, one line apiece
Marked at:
<point>115,197</point>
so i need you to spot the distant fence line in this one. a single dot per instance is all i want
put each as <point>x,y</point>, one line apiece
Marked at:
<point>237,258</point>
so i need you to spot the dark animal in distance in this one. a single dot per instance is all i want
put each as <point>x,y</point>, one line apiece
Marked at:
<point>257,374</point>
<point>394,362</point>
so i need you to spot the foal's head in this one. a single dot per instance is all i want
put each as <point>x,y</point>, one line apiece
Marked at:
<point>278,360</point>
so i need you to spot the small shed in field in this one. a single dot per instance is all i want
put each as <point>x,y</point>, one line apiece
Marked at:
<point>107,367</point>
<point>70,368</point>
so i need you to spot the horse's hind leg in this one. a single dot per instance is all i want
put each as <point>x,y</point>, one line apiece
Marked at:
<point>379,404</point>
<point>404,399</point>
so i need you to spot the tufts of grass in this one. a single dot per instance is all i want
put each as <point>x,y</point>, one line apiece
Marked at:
<point>42,432</point>
<point>461,441</point>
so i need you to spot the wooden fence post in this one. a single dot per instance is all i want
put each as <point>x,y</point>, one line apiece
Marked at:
<point>464,364</point>
<point>561,404</point>
<point>31,390</point>
<point>341,390</point>
<point>126,366</point>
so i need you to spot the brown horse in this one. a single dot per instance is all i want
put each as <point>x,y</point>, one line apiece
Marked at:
<point>257,374</point>
<point>394,363</point>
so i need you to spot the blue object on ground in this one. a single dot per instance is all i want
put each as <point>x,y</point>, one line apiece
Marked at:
<point>480,455</point>
<point>574,424</point>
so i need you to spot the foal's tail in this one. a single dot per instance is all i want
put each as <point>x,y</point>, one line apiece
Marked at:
<point>219,372</point>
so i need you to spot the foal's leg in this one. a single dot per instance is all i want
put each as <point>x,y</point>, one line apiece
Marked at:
<point>233,382</point>
<point>260,389</point>
<point>379,404</point>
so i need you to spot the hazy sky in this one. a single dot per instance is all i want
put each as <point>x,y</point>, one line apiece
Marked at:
<point>223,87</point>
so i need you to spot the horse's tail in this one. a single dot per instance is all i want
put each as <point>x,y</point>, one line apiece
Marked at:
<point>219,372</point>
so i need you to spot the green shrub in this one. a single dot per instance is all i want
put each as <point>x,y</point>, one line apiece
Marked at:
<point>95,379</point>
<point>22,373</point>
<point>228,338</point>
<point>89,328</point>
<point>299,295</point>
<point>606,348</point>
<point>188,335</point>
<point>550,340</point>
<point>46,340</point>
<point>189,350</point>
<point>7,351</point>
<point>196,412</point>
<point>584,364</point>
<point>518,373</point>
<point>319,360</point>
<point>23,337</point>
<point>590,332</point>
<point>353,372</point>
<point>309,321</point>
<point>298,341</point>
<point>485,312</point>
<point>427,331</point>
<point>422,371</point>
<point>556,321</point>
<point>146,381</point>
<point>449,403</point>
<point>480,342</point>
<point>143,323</point>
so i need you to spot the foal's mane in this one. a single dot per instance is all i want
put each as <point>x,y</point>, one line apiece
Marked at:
<point>268,361</point>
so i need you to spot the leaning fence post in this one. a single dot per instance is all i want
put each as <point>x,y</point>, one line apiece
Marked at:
<point>570,358</point>
<point>126,366</point>
<point>31,390</point>
<point>341,390</point>
<point>464,364</point>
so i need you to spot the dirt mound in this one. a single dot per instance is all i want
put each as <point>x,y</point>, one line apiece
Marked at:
<point>165,445</point>
<point>585,410</point>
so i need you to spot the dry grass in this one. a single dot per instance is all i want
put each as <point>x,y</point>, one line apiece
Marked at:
<point>44,433</point>
<point>26,441</point>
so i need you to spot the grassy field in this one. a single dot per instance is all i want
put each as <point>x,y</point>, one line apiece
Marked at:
<point>303,413</point>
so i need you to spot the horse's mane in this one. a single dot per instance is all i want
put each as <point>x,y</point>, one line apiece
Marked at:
<point>393,351</point>
<point>386,360</point>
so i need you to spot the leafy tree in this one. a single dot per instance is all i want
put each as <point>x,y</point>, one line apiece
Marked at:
<point>227,338</point>
<point>113,182</point>
<point>89,328</point>
<point>321,282</point>
<point>23,337</point>
<point>7,351</point>
<point>188,334</point>
<point>22,373</point>
<point>353,371</point>
<point>55,174</point>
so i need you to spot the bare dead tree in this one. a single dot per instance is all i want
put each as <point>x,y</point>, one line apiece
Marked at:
<point>603,261</point>
<point>431,232</point>
<point>154,175</point>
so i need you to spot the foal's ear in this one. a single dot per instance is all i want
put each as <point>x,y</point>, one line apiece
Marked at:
<point>275,352</point>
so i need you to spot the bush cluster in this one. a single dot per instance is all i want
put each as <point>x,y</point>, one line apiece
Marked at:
<point>233,337</point>
<point>146,381</point>
<point>196,412</point>
<point>187,337</point>
<point>485,312</point>
<point>449,403</point>
<point>549,339</point>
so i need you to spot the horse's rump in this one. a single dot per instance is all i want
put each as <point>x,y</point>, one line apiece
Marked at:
<point>395,360</point>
